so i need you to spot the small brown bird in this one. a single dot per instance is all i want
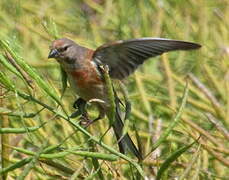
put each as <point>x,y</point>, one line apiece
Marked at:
<point>82,66</point>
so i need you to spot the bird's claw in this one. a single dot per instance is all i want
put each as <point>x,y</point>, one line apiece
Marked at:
<point>85,121</point>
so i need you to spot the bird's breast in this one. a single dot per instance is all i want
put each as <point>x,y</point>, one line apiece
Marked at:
<point>87,83</point>
<point>86,77</point>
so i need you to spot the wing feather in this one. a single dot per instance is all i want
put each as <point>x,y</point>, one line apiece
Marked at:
<point>123,57</point>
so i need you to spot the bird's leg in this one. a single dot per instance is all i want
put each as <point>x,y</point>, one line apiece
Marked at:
<point>101,115</point>
<point>89,122</point>
<point>80,104</point>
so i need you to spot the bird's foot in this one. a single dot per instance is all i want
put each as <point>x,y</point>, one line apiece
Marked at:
<point>85,121</point>
<point>80,104</point>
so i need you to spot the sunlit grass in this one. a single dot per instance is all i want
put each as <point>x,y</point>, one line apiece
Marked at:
<point>32,98</point>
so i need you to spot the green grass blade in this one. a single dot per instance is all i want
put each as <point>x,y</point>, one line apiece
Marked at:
<point>6,82</point>
<point>16,165</point>
<point>31,164</point>
<point>174,156</point>
<point>64,80</point>
<point>31,72</point>
<point>175,121</point>
<point>20,130</point>
<point>8,66</point>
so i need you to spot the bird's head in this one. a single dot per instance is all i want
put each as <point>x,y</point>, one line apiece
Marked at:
<point>62,50</point>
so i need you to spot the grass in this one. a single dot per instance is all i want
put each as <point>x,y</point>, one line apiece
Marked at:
<point>39,141</point>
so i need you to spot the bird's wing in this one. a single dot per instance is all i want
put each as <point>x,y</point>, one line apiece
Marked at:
<point>123,57</point>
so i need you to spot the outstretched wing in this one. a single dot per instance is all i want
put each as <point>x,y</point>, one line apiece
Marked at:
<point>123,57</point>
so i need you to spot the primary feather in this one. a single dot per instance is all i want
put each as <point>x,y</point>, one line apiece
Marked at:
<point>123,57</point>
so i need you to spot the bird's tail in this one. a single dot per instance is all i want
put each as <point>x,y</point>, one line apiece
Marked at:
<point>124,141</point>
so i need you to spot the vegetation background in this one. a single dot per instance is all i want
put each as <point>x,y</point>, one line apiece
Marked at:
<point>38,141</point>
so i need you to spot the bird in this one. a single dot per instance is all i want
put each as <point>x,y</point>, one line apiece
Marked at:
<point>83,68</point>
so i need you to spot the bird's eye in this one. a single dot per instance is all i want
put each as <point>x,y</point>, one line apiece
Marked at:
<point>63,49</point>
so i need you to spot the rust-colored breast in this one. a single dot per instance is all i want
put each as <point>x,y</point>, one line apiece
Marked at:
<point>86,77</point>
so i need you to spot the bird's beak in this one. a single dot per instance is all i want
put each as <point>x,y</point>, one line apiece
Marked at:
<point>53,53</point>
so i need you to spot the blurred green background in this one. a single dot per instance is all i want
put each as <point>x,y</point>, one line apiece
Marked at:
<point>155,90</point>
